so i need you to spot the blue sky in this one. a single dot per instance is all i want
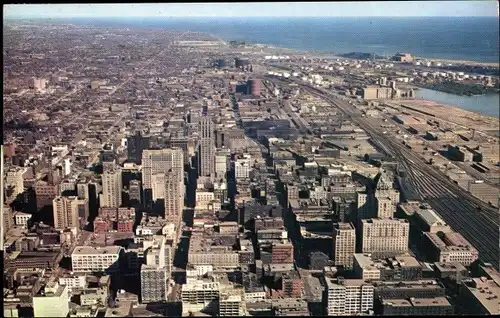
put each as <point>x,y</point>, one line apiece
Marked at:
<point>337,9</point>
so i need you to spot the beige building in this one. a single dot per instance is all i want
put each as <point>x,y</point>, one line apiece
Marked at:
<point>230,305</point>
<point>449,247</point>
<point>174,197</point>
<point>365,268</point>
<point>348,297</point>
<point>198,295</point>
<point>202,252</point>
<point>221,160</point>
<point>156,270</point>
<point>206,149</point>
<point>160,161</point>
<point>14,178</point>
<point>481,296</point>
<point>158,186</point>
<point>95,259</point>
<point>385,237</point>
<point>111,195</point>
<point>203,199</point>
<point>51,301</point>
<point>344,244</point>
<point>370,93</point>
<point>68,211</point>
<point>242,166</point>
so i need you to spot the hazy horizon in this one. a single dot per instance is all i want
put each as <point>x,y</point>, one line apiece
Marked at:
<point>248,9</point>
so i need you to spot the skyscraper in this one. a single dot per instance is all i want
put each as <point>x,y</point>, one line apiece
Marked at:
<point>136,145</point>
<point>379,201</point>
<point>69,211</point>
<point>111,195</point>
<point>206,152</point>
<point>344,244</point>
<point>154,273</point>
<point>174,198</point>
<point>155,161</point>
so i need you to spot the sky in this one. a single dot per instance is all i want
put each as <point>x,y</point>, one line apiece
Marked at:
<point>262,9</point>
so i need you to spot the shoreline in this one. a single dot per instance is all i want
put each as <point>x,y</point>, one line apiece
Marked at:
<point>335,55</point>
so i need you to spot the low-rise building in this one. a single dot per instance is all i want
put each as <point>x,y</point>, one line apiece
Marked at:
<point>51,301</point>
<point>96,259</point>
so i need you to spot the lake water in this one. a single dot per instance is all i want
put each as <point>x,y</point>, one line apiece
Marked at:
<point>484,104</point>
<point>460,38</point>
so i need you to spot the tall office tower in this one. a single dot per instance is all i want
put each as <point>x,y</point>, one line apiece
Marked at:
<point>87,190</point>
<point>45,194</point>
<point>155,161</point>
<point>154,273</point>
<point>111,195</point>
<point>14,178</point>
<point>221,165</point>
<point>348,296</point>
<point>386,197</point>
<point>69,212</point>
<point>206,152</point>
<point>385,207</point>
<point>136,145</point>
<point>174,198</point>
<point>385,237</point>
<point>380,201</point>
<point>344,244</point>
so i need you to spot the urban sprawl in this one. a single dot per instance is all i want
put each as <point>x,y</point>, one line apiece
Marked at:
<point>154,173</point>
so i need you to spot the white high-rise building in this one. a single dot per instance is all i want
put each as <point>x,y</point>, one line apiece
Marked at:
<point>242,166</point>
<point>385,237</point>
<point>348,296</point>
<point>344,244</point>
<point>206,151</point>
<point>96,259</point>
<point>111,195</point>
<point>221,159</point>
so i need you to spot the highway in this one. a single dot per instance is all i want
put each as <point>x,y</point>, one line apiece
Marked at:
<point>475,220</point>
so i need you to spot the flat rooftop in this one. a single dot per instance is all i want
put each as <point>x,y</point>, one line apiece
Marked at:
<point>89,250</point>
<point>419,302</point>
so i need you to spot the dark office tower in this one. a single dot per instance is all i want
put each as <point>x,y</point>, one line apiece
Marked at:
<point>206,151</point>
<point>136,145</point>
<point>253,87</point>
<point>241,62</point>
